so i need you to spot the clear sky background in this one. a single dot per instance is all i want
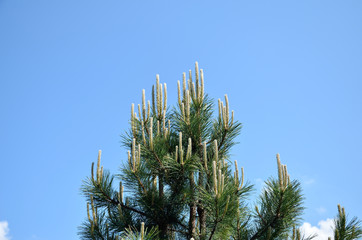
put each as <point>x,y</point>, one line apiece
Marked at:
<point>69,71</point>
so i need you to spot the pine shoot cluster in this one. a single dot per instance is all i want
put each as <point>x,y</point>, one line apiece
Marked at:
<point>178,181</point>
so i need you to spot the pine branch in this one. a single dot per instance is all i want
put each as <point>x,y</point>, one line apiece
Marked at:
<point>189,193</point>
<point>270,223</point>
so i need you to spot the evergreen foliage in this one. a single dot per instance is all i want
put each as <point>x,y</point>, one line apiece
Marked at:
<point>180,182</point>
<point>344,229</point>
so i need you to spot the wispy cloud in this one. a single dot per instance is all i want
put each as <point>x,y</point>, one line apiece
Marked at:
<point>259,183</point>
<point>4,231</point>
<point>307,180</point>
<point>323,231</point>
<point>321,210</point>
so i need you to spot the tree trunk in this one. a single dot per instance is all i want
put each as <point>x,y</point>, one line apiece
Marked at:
<point>192,223</point>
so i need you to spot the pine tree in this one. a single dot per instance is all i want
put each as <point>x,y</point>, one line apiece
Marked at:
<point>344,229</point>
<point>179,180</point>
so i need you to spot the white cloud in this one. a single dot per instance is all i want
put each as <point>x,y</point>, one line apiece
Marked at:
<point>321,210</point>
<point>259,183</point>
<point>4,230</point>
<point>323,231</point>
<point>306,180</point>
<point>309,181</point>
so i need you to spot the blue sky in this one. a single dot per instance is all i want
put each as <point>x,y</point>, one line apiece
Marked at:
<point>69,71</point>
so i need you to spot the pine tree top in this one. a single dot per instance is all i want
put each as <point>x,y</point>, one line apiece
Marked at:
<point>178,181</point>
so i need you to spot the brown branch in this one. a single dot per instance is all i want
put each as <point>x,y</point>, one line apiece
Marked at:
<point>216,222</point>
<point>277,215</point>
<point>139,181</point>
<point>213,229</point>
<point>175,230</point>
<point>160,186</point>
<point>157,158</point>
<point>192,220</point>
<point>116,202</point>
<point>135,210</point>
<point>260,216</point>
